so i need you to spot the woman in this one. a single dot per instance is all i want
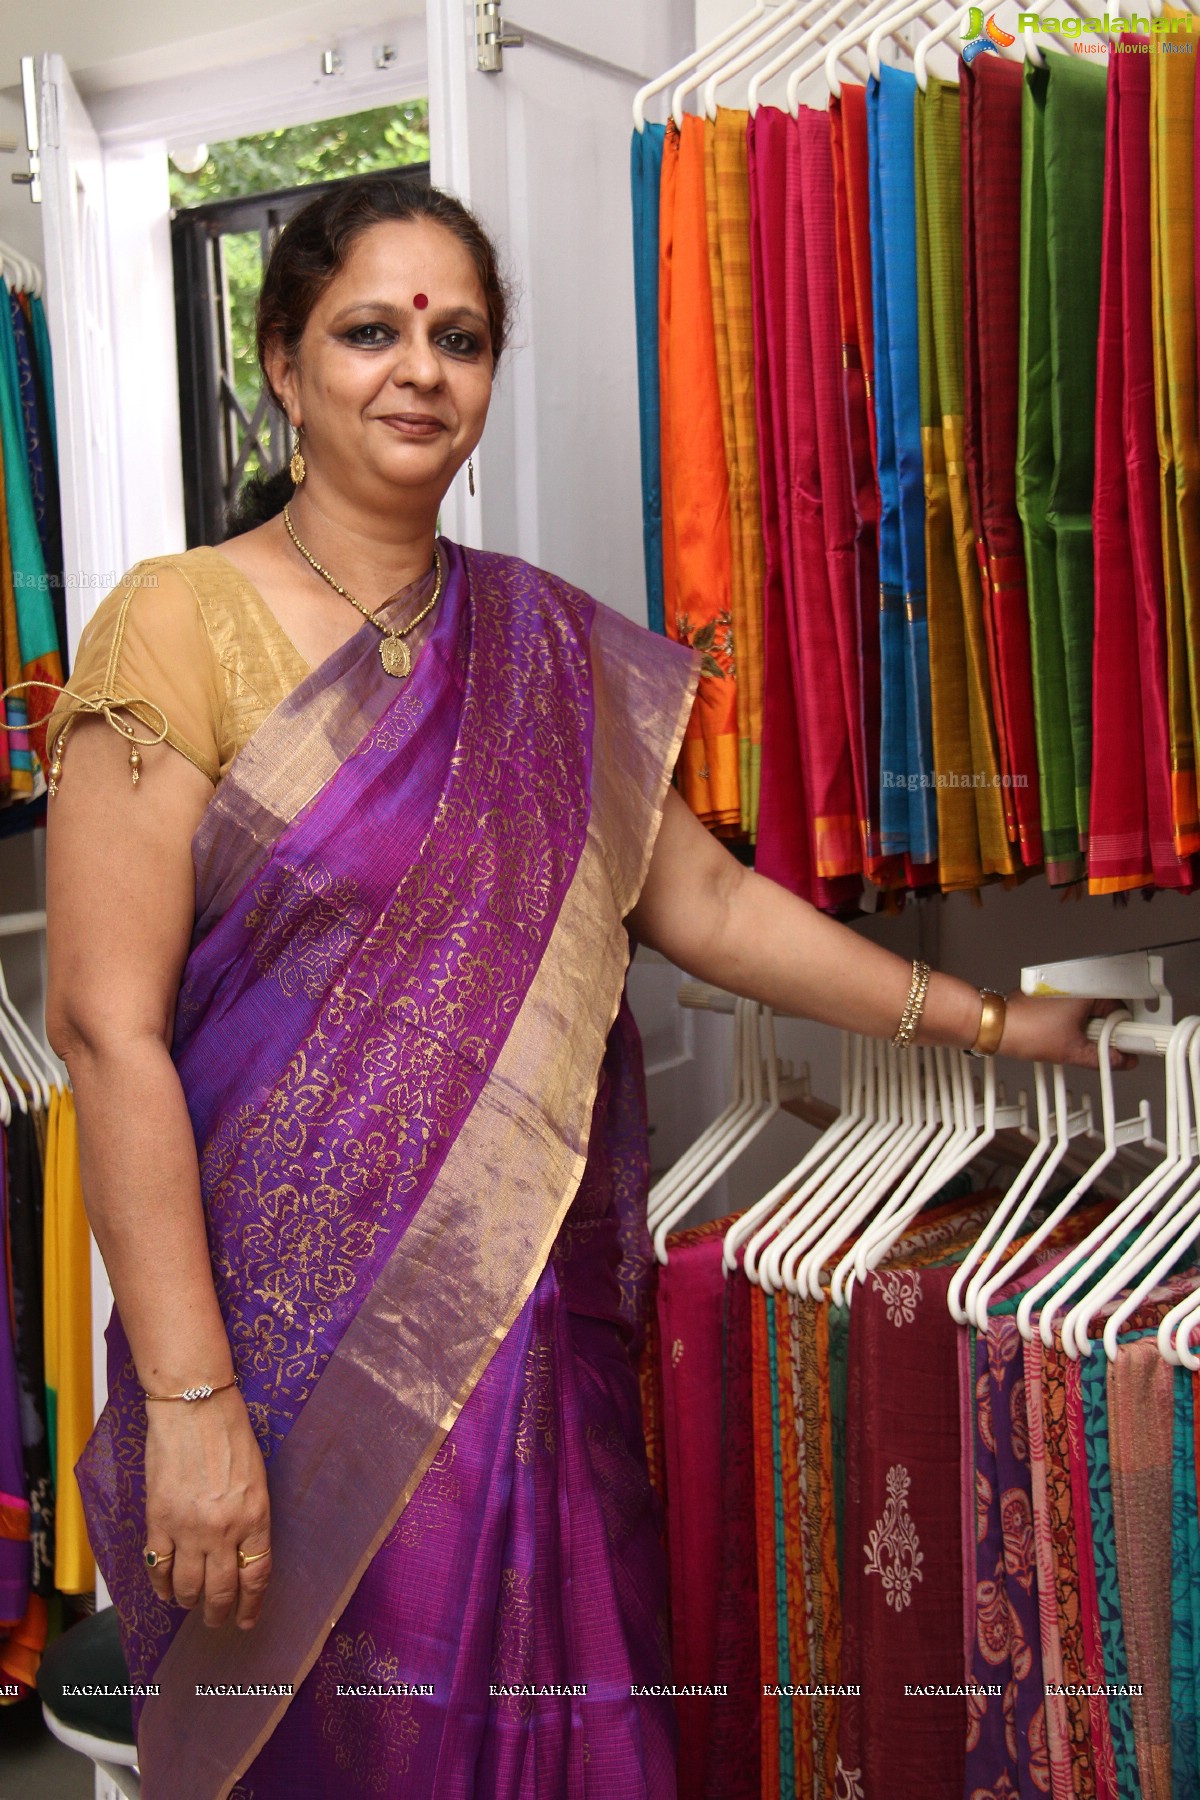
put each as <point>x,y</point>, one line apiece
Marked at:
<point>337,959</point>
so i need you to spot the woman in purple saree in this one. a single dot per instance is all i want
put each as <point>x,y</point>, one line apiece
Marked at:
<point>415,1119</point>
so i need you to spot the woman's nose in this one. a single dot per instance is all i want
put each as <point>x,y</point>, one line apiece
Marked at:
<point>418,363</point>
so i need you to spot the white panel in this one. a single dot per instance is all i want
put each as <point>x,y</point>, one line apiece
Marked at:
<point>79,317</point>
<point>541,151</point>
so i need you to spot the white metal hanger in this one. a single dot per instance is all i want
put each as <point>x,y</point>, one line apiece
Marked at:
<point>868,19</point>
<point>19,271</point>
<point>706,1147</point>
<point>1072,1270</point>
<point>792,14</point>
<point>703,54</point>
<point>828,21</point>
<point>888,28</point>
<point>754,33</point>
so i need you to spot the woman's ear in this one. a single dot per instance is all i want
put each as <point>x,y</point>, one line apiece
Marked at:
<point>281,377</point>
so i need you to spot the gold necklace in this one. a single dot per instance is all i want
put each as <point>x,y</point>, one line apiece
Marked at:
<point>394,653</point>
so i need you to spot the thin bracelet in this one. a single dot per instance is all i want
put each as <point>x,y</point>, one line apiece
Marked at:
<point>201,1392</point>
<point>910,1018</point>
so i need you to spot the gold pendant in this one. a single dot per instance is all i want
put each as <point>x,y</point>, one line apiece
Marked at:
<point>394,655</point>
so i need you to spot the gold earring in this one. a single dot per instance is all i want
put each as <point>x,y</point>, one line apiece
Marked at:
<point>296,467</point>
<point>471,474</point>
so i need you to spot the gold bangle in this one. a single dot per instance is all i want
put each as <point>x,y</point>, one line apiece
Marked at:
<point>202,1391</point>
<point>991,1023</point>
<point>911,1016</point>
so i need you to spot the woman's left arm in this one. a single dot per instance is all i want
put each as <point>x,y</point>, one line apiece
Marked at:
<point>725,924</point>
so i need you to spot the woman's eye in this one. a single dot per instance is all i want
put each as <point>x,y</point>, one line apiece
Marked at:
<point>459,343</point>
<point>362,334</point>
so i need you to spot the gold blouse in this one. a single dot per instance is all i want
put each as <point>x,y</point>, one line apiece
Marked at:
<point>185,638</point>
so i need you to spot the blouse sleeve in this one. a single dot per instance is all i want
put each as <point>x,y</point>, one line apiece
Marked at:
<point>146,654</point>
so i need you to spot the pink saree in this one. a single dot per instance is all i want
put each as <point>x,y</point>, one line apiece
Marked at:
<point>417,1100</point>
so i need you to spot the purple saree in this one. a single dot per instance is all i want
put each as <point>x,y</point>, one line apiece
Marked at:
<point>417,1100</point>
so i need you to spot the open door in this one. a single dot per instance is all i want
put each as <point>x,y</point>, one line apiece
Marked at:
<point>541,151</point>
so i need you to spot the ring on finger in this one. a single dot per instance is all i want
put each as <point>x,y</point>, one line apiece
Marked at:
<point>156,1559</point>
<point>244,1561</point>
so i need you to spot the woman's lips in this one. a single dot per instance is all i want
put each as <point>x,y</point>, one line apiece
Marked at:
<point>414,425</point>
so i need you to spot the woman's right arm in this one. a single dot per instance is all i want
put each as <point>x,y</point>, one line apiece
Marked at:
<point>119,903</point>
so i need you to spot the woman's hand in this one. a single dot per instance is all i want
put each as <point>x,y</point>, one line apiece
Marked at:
<point>1047,1028</point>
<point>206,1498</point>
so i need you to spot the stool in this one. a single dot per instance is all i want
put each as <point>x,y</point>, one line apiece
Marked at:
<point>99,1726</point>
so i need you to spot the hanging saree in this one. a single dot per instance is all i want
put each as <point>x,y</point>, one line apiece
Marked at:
<point>1118,828</point>
<point>1173,239</point>
<point>37,633</point>
<point>67,1310</point>
<point>959,864</point>
<point>15,1558</point>
<point>898,244</point>
<point>784,852</point>
<point>697,593</point>
<point>409,1070</point>
<point>991,192</point>
<point>733,234</point>
<point>943,205</point>
<point>646,157</point>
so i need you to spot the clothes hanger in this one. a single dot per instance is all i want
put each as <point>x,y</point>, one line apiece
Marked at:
<point>765,1059</point>
<point>1157,1250</point>
<point>993,1270</point>
<point>696,77</point>
<point>1116,1134</point>
<point>802,1270</point>
<point>702,54</point>
<point>25,274</point>
<point>983,1117</point>
<point>799,1205</point>
<point>1042,1144</point>
<point>1147,1214</point>
<point>28,1072</point>
<point>849,1111</point>
<point>888,28</point>
<point>867,20</point>
<point>828,21</point>
<point>793,14</point>
<point>698,1154</point>
<point>940,33</point>
<point>844,40</point>
<point>841,1184</point>
<point>1073,1269</point>
<point>940,1111</point>
<point>1175,1332</point>
<point>44,1075</point>
<point>1027,37</point>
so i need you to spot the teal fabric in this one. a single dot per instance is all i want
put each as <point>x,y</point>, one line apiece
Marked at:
<point>36,629</point>
<point>1093,1370</point>
<point>839,1366</point>
<point>41,345</point>
<point>787,1748</point>
<point>1185,1599</point>
<point>645,169</point>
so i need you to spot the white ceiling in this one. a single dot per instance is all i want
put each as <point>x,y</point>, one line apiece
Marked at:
<point>127,42</point>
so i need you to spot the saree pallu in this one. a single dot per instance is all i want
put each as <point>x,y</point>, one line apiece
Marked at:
<point>991,194</point>
<point>1089,1594</point>
<point>23,1170</point>
<point>416,1098</point>
<point>1118,824</point>
<point>1173,238</point>
<point>943,206</point>
<point>784,852</point>
<point>1185,1597</point>
<point>778,1763</point>
<point>733,232</point>
<point>645,174</point>
<point>848,144</point>
<point>1132,75</point>
<point>1058,1524</point>
<point>1061,217</point>
<point>896,245</point>
<point>735,1745</point>
<point>695,483</point>
<point>1140,1429</point>
<point>1104,1555</point>
<point>15,1554</point>
<point>959,864</point>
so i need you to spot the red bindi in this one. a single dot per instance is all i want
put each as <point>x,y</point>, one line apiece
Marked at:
<point>420,301</point>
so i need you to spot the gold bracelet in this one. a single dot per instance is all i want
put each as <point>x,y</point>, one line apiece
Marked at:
<point>910,1018</point>
<point>202,1391</point>
<point>991,1023</point>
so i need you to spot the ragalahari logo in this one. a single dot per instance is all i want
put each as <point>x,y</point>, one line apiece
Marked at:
<point>979,35</point>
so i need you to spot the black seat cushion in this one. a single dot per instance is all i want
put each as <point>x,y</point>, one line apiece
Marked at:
<point>89,1655</point>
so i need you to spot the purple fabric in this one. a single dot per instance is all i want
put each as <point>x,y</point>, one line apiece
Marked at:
<point>334,1029</point>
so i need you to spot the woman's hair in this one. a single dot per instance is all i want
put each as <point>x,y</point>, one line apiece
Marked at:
<point>312,248</point>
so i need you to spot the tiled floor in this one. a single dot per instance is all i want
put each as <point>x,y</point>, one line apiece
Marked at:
<point>34,1765</point>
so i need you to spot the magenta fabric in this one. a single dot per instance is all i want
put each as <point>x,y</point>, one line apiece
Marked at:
<point>1118,848</point>
<point>530,1550</point>
<point>1132,92</point>
<point>691,1299</point>
<point>783,852</point>
<point>16,1553</point>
